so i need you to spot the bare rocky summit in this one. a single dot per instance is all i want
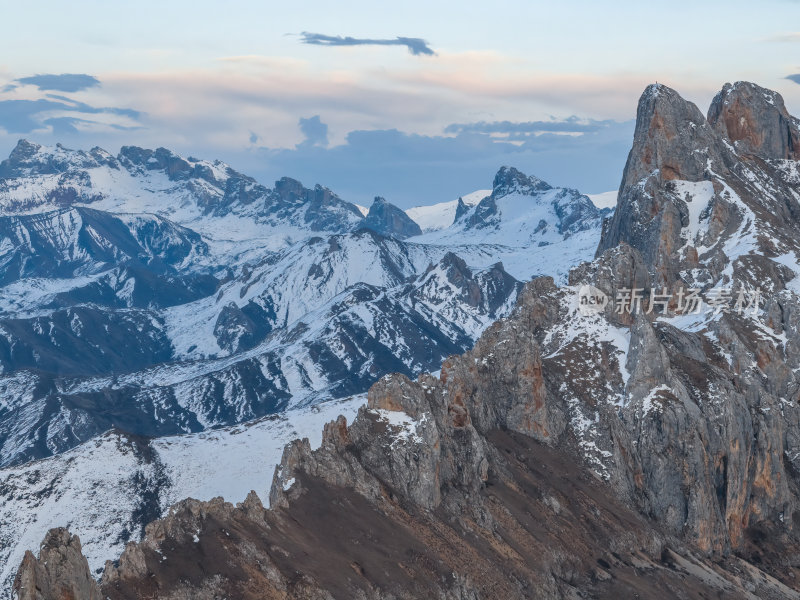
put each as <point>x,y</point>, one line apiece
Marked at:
<point>61,571</point>
<point>633,454</point>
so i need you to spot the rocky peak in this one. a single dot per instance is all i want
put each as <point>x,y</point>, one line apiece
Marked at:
<point>509,180</point>
<point>161,159</point>
<point>669,130</point>
<point>461,209</point>
<point>290,190</point>
<point>22,155</point>
<point>756,121</point>
<point>693,199</point>
<point>385,218</point>
<point>29,158</point>
<point>61,571</point>
<point>576,212</point>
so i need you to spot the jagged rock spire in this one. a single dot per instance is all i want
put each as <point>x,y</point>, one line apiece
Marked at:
<point>385,218</point>
<point>685,192</point>
<point>61,571</point>
<point>756,121</point>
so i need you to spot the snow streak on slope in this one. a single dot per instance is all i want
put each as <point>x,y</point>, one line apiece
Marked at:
<point>296,282</point>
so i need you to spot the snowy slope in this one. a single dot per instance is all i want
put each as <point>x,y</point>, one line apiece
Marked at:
<point>294,283</point>
<point>442,215</point>
<point>168,296</point>
<point>208,196</point>
<point>605,199</point>
<point>163,294</point>
<point>110,487</point>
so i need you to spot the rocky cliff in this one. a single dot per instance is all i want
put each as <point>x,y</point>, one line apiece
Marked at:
<point>385,218</point>
<point>644,452</point>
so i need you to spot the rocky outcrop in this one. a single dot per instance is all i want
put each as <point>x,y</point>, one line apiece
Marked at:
<point>385,218</point>
<point>461,209</point>
<point>509,180</point>
<point>756,121</point>
<point>318,208</point>
<point>61,572</point>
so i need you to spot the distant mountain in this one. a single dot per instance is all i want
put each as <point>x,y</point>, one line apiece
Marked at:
<point>444,214</point>
<point>136,320</point>
<point>533,228</point>
<point>387,219</point>
<point>208,196</point>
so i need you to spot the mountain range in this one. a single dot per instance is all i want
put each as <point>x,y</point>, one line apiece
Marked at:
<point>146,296</point>
<point>641,450</point>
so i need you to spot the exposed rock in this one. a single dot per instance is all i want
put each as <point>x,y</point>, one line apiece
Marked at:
<point>461,209</point>
<point>509,180</point>
<point>61,572</point>
<point>692,186</point>
<point>756,121</point>
<point>388,220</point>
<point>572,211</point>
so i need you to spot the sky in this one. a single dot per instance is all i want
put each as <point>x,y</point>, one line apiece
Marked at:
<point>418,102</point>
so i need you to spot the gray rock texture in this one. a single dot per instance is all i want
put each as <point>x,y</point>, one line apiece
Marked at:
<point>60,573</point>
<point>756,121</point>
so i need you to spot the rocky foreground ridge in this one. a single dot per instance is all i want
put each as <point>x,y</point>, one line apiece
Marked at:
<point>645,453</point>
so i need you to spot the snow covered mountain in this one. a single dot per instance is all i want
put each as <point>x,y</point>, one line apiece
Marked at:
<point>162,297</point>
<point>533,228</point>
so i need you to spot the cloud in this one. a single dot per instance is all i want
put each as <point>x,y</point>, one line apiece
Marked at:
<point>25,116</point>
<point>793,36</point>
<point>381,125</point>
<point>315,132</point>
<point>416,46</point>
<point>412,169</point>
<point>63,126</point>
<point>65,82</point>
<point>795,77</point>
<point>570,125</point>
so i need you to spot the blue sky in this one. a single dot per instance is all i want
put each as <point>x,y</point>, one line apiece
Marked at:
<point>414,101</point>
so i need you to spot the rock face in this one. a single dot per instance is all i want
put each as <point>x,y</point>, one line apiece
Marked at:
<point>697,194</point>
<point>756,121</point>
<point>60,572</point>
<point>388,220</point>
<point>606,453</point>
